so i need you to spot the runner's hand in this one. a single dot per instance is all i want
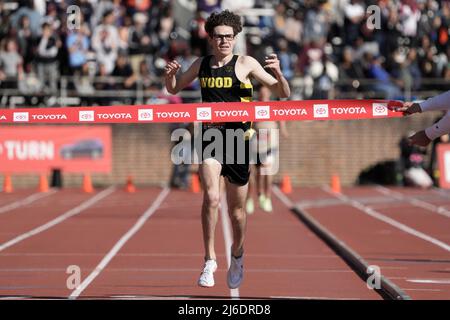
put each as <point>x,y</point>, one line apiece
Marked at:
<point>172,68</point>
<point>273,63</point>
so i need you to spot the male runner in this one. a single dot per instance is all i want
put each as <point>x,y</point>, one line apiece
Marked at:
<point>225,77</point>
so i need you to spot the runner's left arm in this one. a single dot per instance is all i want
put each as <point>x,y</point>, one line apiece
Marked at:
<point>279,84</point>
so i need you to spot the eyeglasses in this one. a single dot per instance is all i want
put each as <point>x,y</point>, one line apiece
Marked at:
<point>227,37</point>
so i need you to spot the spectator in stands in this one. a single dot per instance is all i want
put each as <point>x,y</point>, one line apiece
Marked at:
<point>124,36</point>
<point>47,58</point>
<point>84,85</point>
<point>30,84</point>
<point>102,8</point>
<point>294,31</point>
<point>409,16</point>
<point>350,71</point>
<point>324,79</point>
<point>316,23</point>
<point>41,6</point>
<point>279,19</point>
<point>384,84</point>
<point>102,84</point>
<point>428,66</point>
<point>52,16</point>
<point>11,64</point>
<point>124,71</point>
<point>134,6</point>
<point>26,40</point>
<point>4,22</point>
<point>237,5</point>
<point>140,41</point>
<point>86,8</point>
<point>199,37</point>
<point>78,44</point>
<point>166,30</point>
<point>413,69</point>
<point>286,59</point>
<point>27,9</point>
<point>354,16</point>
<point>311,52</point>
<point>393,33</point>
<point>444,31</point>
<point>119,12</point>
<point>446,77</point>
<point>105,42</point>
<point>208,6</point>
<point>144,76</point>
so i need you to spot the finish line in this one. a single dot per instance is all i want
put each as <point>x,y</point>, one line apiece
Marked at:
<point>208,112</point>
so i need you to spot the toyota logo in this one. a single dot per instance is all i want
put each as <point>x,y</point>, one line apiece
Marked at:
<point>380,109</point>
<point>321,111</point>
<point>262,112</point>
<point>21,117</point>
<point>203,114</point>
<point>85,116</point>
<point>146,115</point>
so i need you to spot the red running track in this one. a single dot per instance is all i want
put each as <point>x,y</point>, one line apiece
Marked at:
<point>403,231</point>
<point>148,245</point>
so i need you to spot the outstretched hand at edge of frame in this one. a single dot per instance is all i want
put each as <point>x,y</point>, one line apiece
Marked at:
<point>408,108</point>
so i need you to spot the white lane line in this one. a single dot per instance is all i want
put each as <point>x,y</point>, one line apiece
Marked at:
<point>227,235</point>
<point>26,201</point>
<point>415,202</point>
<point>119,244</point>
<point>377,215</point>
<point>287,202</point>
<point>61,218</point>
<point>441,192</point>
<point>169,255</point>
<point>425,290</point>
<point>436,281</point>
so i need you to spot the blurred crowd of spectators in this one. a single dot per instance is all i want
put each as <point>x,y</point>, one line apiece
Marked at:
<point>326,41</point>
<point>328,44</point>
<point>94,42</point>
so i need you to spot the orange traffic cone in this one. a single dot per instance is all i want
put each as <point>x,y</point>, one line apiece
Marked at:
<point>43,183</point>
<point>195,183</point>
<point>335,183</point>
<point>286,186</point>
<point>7,184</point>
<point>130,186</point>
<point>87,183</point>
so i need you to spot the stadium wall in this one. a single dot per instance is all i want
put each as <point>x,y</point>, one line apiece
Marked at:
<point>313,151</point>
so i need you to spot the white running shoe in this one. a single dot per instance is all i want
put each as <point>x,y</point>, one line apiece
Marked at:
<point>236,272</point>
<point>268,205</point>
<point>250,206</point>
<point>207,276</point>
<point>262,200</point>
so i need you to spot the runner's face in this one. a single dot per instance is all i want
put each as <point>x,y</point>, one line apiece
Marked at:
<point>223,40</point>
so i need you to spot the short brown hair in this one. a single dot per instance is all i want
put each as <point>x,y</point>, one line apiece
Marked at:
<point>224,18</point>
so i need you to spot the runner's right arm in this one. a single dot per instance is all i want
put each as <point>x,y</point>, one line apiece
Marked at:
<point>176,83</point>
